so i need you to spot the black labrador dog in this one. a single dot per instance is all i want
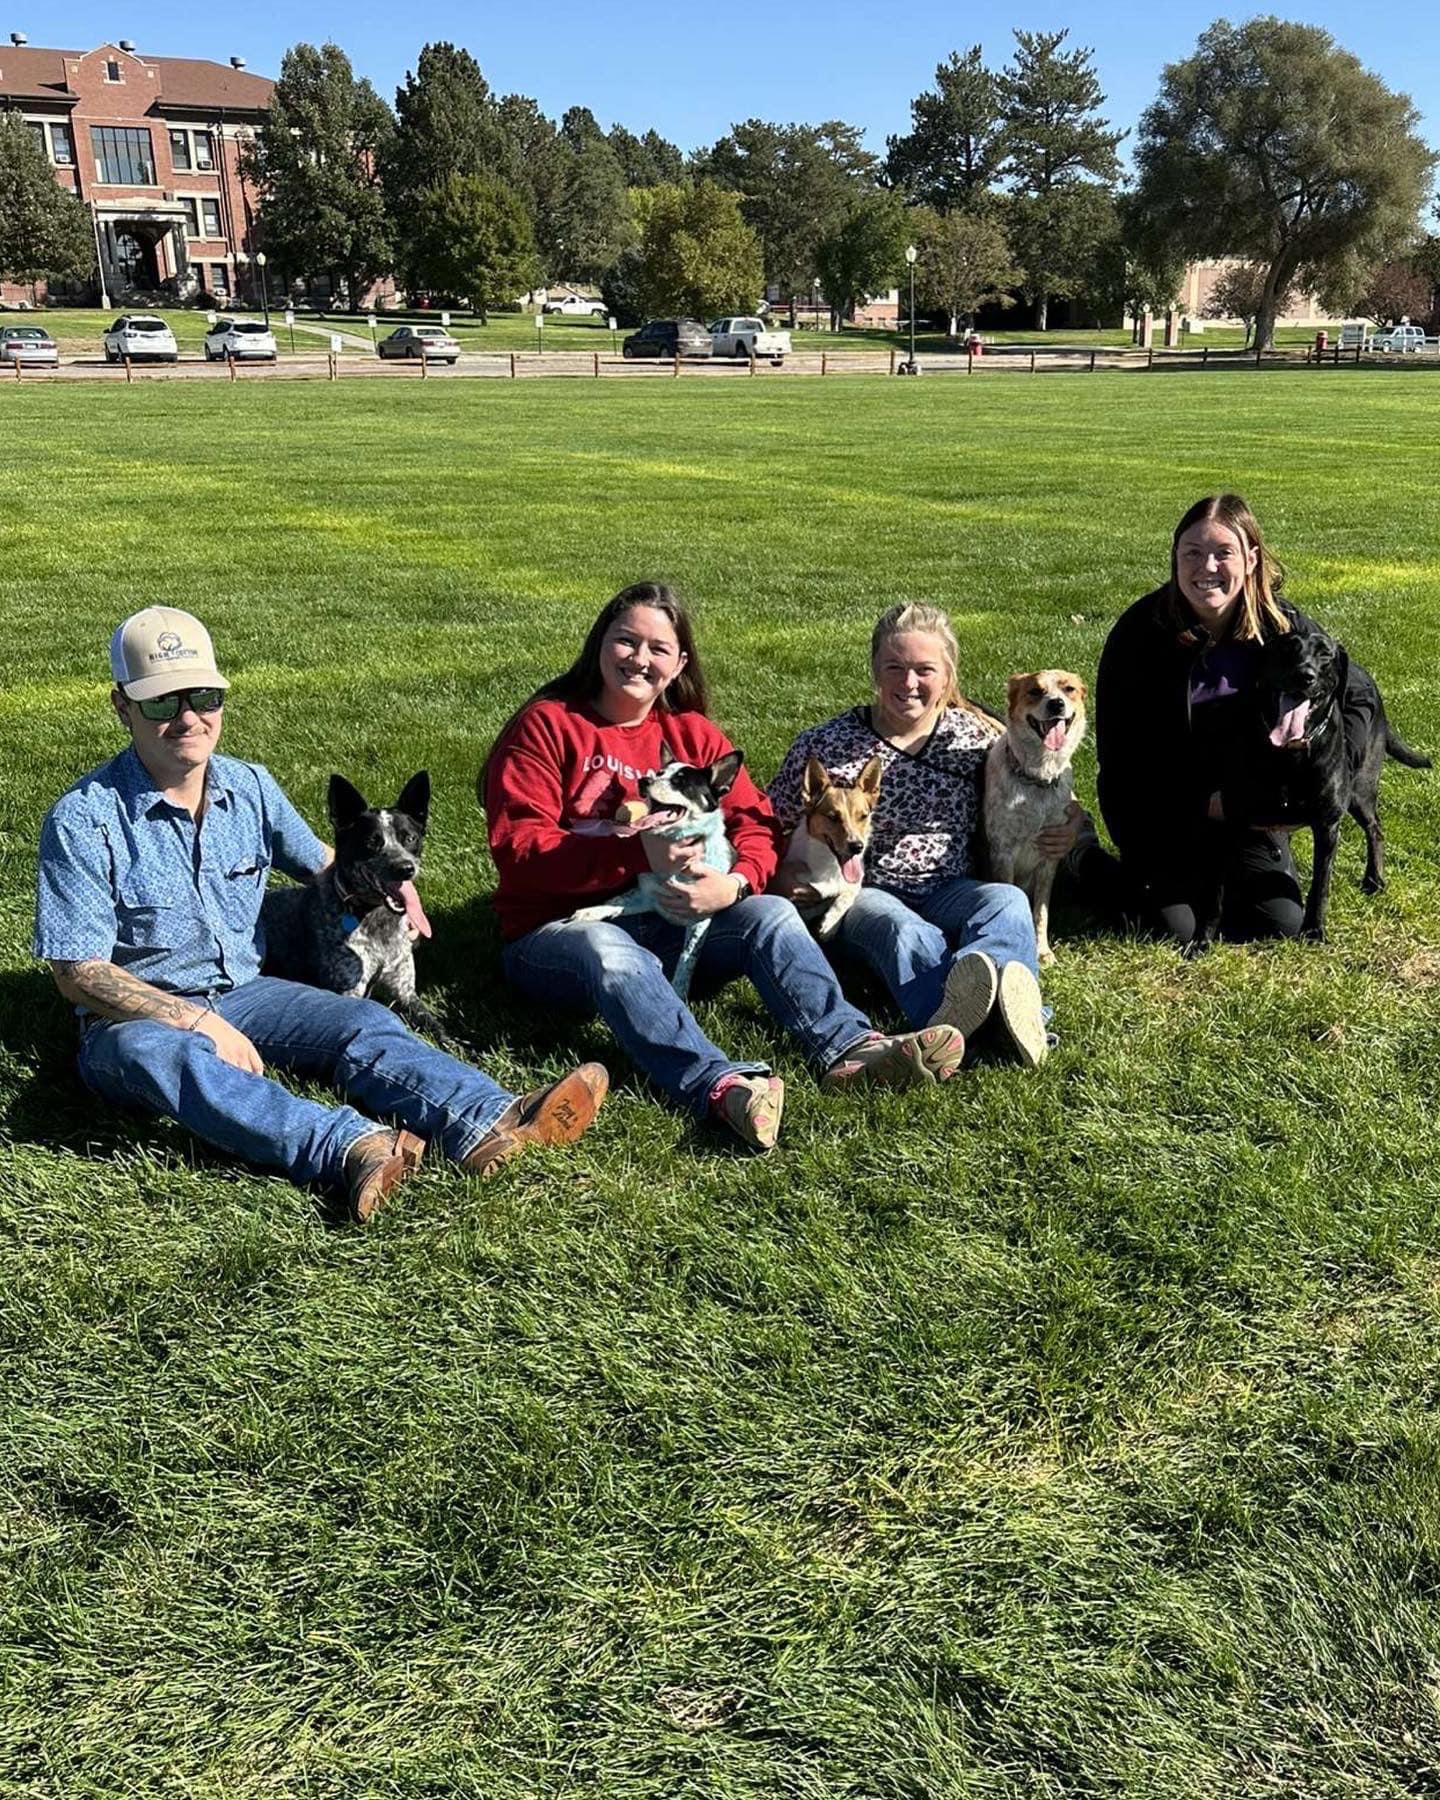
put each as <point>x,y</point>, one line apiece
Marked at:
<point>1304,769</point>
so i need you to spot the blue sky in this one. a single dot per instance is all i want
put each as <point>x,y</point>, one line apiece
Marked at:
<point>777,61</point>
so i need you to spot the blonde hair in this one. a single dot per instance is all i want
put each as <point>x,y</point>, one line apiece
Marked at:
<point>915,615</point>
<point>1260,614</point>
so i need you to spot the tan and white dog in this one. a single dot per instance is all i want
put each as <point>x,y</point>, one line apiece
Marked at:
<point>1028,785</point>
<point>826,852</point>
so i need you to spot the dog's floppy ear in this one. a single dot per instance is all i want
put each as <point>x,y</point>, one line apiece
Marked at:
<point>345,802</point>
<point>868,780</point>
<point>1013,687</point>
<point>814,782</point>
<point>724,769</point>
<point>415,798</point>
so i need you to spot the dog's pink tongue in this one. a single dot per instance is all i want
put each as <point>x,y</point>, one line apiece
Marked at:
<point>1291,729</point>
<point>414,911</point>
<point>1054,738</point>
<point>852,869</point>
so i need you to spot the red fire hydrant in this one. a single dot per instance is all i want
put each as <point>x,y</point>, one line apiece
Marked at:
<point>1322,344</point>
<point>974,345</point>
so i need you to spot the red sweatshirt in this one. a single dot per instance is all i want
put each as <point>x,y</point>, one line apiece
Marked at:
<point>561,762</point>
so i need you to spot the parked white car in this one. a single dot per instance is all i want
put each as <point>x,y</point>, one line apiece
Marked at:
<point>31,345</point>
<point>1402,340</point>
<point>576,306</point>
<point>749,337</point>
<point>141,338</point>
<point>247,340</point>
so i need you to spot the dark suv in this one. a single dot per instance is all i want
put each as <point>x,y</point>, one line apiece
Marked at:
<point>668,337</point>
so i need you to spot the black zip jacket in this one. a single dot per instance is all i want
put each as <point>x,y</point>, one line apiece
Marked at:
<point>1154,782</point>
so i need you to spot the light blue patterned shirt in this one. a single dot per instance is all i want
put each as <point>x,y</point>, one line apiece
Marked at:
<point>128,877</point>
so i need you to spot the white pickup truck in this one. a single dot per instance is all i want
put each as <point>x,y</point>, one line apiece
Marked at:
<point>748,337</point>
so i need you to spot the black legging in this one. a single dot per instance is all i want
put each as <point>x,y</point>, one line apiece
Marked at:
<point>1254,869</point>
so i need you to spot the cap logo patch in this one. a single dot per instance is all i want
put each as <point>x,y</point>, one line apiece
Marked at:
<point>168,648</point>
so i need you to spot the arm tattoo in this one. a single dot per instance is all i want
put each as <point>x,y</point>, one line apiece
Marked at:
<point>112,993</point>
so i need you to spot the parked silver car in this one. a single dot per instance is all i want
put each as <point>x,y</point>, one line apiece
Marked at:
<point>141,338</point>
<point>433,342</point>
<point>30,345</point>
<point>244,339</point>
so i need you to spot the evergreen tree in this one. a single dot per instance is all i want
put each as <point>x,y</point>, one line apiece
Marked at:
<point>1274,145</point>
<point>44,232</point>
<point>796,185</point>
<point>316,162</point>
<point>591,222</point>
<point>447,122</point>
<point>1056,139</point>
<point>648,161</point>
<point>471,236</point>
<point>956,149</point>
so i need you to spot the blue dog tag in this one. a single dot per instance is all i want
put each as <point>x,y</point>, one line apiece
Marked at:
<point>349,922</point>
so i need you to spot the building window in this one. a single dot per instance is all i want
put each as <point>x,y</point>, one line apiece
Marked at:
<point>192,217</point>
<point>180,150</point>
<point>123,155</point>
<point>204,150</point>
<point>219,281</point>
<point>210,218</point>
<point>62,146</point>
<point>37,131</point>
<point>112,70</point>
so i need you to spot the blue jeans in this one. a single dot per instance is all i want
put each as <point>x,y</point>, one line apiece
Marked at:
<point>618,969</point>
<point>358,1046</point>
<point>911,943</point>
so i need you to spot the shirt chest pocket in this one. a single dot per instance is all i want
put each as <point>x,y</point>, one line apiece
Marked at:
<point>148,916</point>
<point>241,887</point>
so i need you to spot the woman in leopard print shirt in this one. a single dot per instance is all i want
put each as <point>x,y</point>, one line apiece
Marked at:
<point>950,947</point>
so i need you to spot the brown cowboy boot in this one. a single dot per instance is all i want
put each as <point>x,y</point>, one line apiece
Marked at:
<point>557,1114</point>
<point>374,1164</point>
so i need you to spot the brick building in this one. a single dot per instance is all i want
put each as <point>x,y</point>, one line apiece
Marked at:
<point>149,144</point>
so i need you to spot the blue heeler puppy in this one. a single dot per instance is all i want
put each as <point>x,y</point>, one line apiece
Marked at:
<point>350,929</point>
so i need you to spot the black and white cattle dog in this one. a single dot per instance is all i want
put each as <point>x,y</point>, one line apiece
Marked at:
<point>684,803</point>
<point>352,928</point>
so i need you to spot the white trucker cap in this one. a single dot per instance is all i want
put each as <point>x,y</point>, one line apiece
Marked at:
<point>160,650</point>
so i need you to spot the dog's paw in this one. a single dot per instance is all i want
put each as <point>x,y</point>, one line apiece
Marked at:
<point>1195,949</point>
<point>1373,884</point>
<point>1312,934</point>
<point>1045,957</point>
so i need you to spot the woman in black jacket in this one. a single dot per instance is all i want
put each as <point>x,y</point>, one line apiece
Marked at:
<point>1173,708</point>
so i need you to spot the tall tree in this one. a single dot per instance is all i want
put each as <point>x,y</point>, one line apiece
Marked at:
<point>535,165</point>
<point>696,257</point>
<point>796,184</point>
<point>591,221</point>
<point>863,255</point>
<point>447,122</point>
<point>1063,162</point>
<point>316,162</point>
<point>956,149</point>
<point>1242,291</point>
<point>471,237</point>
<point>964,263</point>
<point>648,161</point>
<point>44,232</point>
<point>1272,144</point>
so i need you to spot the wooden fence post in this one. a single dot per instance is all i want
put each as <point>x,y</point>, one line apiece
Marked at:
<point>128,375</point>
<point>1150,357</point>
<point>1092,362</point>
<point>230,360</point>
<point>824,362</point>
<point>1205,357</point>
<point>512,365</point>
<point>969,360</point>
<point>330,362</point>
<point>1032,362</point>
<point>424,362</point>
<point>677,365</point>
<point>597,365</point>
<point>892,359</point>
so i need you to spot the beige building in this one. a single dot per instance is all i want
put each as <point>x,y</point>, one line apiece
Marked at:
<point>1199,284</point>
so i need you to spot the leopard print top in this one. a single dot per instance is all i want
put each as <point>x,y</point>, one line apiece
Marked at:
<point>929,810</point>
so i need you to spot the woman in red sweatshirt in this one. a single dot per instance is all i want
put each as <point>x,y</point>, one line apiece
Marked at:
<point>633,701</point>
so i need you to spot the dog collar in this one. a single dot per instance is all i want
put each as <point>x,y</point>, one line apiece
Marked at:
<point>1024,774</point>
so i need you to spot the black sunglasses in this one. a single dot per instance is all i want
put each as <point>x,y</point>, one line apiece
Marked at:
<point>167,706</point>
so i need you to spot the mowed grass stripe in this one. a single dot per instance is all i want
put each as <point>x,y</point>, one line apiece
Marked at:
<point>1046,1437</point>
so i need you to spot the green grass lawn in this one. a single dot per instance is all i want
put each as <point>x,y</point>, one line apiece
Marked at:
<point>1060,1436</point>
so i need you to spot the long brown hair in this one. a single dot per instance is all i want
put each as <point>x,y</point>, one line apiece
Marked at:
<point>1260,613</point>
<point>688,692</point>
<point>915,615</point>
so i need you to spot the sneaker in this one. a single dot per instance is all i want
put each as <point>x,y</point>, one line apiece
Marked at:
<point>970,989</point>
<point>751,1106</point>
<point>1022,1016</point>
<point>374,1165</point>
<point>912,1059</point>
<point>557,1114</point>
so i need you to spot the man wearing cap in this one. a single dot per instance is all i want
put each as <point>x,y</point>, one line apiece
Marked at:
<point>152,870</point>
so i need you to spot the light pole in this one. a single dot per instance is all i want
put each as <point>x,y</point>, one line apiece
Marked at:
<point>910,254</point>
<point>260,260</point>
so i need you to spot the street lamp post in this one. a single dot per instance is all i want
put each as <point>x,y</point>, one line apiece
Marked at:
<point>260,260</point>
<point>910,254</point>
